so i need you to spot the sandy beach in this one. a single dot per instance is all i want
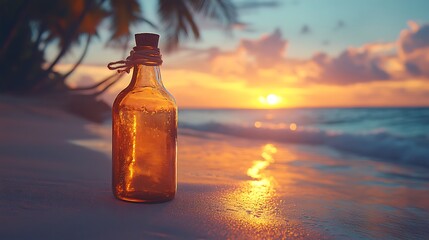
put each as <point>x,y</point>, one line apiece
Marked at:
<point>55,183</point>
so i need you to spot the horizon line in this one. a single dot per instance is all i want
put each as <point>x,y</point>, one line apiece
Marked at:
<point>306,107</point>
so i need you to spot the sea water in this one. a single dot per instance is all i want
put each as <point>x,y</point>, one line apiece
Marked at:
<point>397,135</point>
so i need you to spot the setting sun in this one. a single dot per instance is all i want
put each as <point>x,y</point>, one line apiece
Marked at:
<point>270,99</point>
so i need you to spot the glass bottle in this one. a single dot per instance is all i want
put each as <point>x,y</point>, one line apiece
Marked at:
<point>144,138</point>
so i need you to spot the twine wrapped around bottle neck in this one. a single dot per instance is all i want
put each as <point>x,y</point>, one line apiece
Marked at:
<point>145,55</point>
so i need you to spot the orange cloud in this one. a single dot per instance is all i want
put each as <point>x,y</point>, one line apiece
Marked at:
<point>375,74</point>
<point>414,49</point>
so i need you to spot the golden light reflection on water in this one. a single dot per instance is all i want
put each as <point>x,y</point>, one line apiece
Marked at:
<point>254,200</point>
<point>292,126</point>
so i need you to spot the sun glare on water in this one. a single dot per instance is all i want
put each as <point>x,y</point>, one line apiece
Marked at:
<point>270,99</point>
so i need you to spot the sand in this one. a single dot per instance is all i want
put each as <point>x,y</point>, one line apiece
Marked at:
<point>55,178</point>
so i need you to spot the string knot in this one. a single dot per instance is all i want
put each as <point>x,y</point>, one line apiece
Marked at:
<point>139,55</point>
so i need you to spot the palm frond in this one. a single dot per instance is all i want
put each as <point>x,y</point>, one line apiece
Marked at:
<point>223,11</point>
<point>178,17</point>
<point>124,13</point>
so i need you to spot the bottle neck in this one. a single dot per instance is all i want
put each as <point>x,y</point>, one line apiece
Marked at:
<point>146,76</point>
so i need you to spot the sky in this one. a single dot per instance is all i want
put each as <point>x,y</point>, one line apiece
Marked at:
<point>291,53</point>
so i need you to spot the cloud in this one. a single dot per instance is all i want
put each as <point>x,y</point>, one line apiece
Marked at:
<point>413,45</point>
<point>250,55</point>
<point>266,50</point>
<point>352,66</point>
<point>340,24</point>
<point>374,74</point>
<point>305,29</point>
<point>326,42</point>
<point>408,57</point>
<point>262,60</point>
<point>242,26</point>
<point>414,38</point>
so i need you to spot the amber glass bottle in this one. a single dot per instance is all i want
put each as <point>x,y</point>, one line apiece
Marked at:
<point>144,138</point>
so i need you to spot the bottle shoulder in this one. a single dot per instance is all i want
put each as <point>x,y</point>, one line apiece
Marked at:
<point>145,97</point>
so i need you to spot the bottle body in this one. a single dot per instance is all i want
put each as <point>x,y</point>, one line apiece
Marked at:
<point>144,140</point>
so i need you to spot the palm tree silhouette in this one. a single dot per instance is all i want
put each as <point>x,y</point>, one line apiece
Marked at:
<point>32,26</point>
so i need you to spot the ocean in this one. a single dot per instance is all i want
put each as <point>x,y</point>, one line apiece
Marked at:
<point>395,135</point>
<point>246,174</point>
<point>344,173</point>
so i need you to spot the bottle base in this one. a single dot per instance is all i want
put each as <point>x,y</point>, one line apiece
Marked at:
<point>144,197</point>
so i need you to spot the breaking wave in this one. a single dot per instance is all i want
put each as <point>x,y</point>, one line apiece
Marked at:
<point>379,145</point>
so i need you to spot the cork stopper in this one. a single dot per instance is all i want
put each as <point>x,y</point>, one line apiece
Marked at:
<point>147,39</point>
